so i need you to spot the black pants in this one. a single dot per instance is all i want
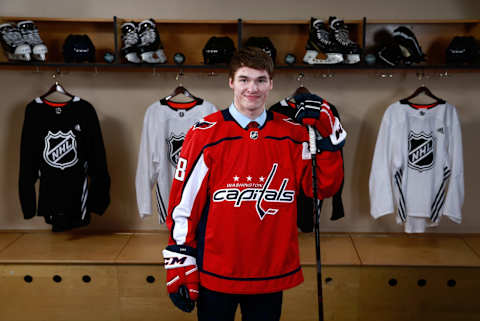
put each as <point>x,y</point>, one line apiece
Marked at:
<point>216,306</point>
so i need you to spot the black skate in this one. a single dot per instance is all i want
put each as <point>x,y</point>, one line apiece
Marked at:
<point>320,41</point>
<point>351,51</point>
<point>13,43</point>
<point>31,36</point>
<point>150,47</point>
<point>130,41</point>
<point>409,46</point>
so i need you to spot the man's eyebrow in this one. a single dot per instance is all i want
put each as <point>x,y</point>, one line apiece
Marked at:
<point>246,77</point>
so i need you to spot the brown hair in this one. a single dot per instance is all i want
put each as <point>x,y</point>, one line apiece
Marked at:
<point>251,57</point>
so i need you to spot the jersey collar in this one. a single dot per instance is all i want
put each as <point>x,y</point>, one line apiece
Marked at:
<point>243,120</point>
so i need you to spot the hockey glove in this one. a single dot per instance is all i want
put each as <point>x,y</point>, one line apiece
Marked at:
<point>182,276</point>
<point>314,111</point>
<point>335,141</point>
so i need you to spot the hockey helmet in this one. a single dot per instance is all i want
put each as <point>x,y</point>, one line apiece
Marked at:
<point>263,43</point>
<point>462,50</point>
<point>218,50</point>
<point>78,48</point>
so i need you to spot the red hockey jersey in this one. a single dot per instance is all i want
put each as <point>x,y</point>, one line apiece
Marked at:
<point>234,198</point>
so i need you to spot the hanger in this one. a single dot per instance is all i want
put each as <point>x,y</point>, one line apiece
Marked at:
<point>301,89</point>
<point>56,87</point>
<point>180,90</point>
<point>422,89</point>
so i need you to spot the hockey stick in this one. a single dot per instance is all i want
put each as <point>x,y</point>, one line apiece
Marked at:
<point>313,152</point>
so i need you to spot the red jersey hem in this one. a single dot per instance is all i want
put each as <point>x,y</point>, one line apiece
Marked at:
<point>250,287</point>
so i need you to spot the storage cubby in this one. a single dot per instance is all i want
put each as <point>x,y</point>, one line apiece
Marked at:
<point>54,31</point>
<point>187,37</point>
<point>290,36</point>
<point>433,36</point>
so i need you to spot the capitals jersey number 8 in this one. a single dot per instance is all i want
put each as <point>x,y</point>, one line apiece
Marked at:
<point>181,168</point>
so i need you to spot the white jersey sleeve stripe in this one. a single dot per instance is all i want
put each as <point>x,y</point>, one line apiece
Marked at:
<point>182,211</point>
<point>162,210</point>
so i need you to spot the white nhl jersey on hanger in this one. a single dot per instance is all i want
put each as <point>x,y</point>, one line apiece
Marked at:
<point>418,166</point>
<point>164,128</point>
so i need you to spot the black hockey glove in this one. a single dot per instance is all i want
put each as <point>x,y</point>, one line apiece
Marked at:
<point>315,111</point>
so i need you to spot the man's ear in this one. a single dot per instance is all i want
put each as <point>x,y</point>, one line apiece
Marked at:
<point>230,82</point>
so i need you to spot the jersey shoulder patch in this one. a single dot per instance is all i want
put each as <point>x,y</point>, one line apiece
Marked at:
<point>207,122</point>
<point>203,124</point>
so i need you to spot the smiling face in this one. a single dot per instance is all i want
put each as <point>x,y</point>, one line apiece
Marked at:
<point>250,90</point>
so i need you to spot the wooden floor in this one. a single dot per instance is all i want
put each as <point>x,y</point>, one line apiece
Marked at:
<point>118,276</point>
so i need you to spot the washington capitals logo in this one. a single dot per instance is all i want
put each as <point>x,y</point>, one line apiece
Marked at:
<point>291,121</point>
<point>421,149</point>
<point>256,192</point>
<point>203,124</point>
<point>60,149</point>
<point>174,147</point>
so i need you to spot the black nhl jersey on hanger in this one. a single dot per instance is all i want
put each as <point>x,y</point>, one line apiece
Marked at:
<point>62,145</point>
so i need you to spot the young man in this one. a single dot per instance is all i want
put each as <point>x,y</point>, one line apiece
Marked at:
<point>232,210</point>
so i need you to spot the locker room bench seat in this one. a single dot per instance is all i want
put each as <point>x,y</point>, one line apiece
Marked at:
<point>118,276</point>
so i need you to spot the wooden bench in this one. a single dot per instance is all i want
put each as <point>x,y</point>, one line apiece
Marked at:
<point>118,276</point>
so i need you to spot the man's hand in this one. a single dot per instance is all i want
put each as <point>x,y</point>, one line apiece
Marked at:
<point>182,276</point>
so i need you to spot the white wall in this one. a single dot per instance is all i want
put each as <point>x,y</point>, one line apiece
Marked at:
<point>121,99</point>
<point>251,9</point>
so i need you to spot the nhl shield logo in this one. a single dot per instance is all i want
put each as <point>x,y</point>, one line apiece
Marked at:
<point>254,134</point>
<point>60,149</point>
<point>174,143</point>
<point>421,151</point>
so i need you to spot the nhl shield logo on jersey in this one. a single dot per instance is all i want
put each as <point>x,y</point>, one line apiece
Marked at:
<point>421,151</point>
<point>174,147</point>
<point>254,134</point>
<point>60,149</point>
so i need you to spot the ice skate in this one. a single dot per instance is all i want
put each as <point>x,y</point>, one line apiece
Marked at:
<point>31,36</point>
<point>13,43</point>
<point>340,34</point>
<point>130,42</point>
<point>150,47</point>
<point>320,43</point>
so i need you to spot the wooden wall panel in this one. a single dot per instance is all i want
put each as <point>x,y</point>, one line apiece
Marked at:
<point>122,292</point>
<point>144,301</point>
<point>409,300</point>
<point>71,299</point>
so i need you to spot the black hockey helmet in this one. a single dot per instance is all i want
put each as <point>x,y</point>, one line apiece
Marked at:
<point>78,48</point>
<point>218,50</point>
<point>462,50</point>
<point>263,43</point>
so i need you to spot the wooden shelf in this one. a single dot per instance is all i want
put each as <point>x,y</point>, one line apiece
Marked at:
<point>288,36</point>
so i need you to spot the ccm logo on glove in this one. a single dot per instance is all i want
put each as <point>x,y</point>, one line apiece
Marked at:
<point>182,276</point>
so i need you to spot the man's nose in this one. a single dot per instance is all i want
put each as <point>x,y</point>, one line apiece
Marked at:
<point>252,86</point>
